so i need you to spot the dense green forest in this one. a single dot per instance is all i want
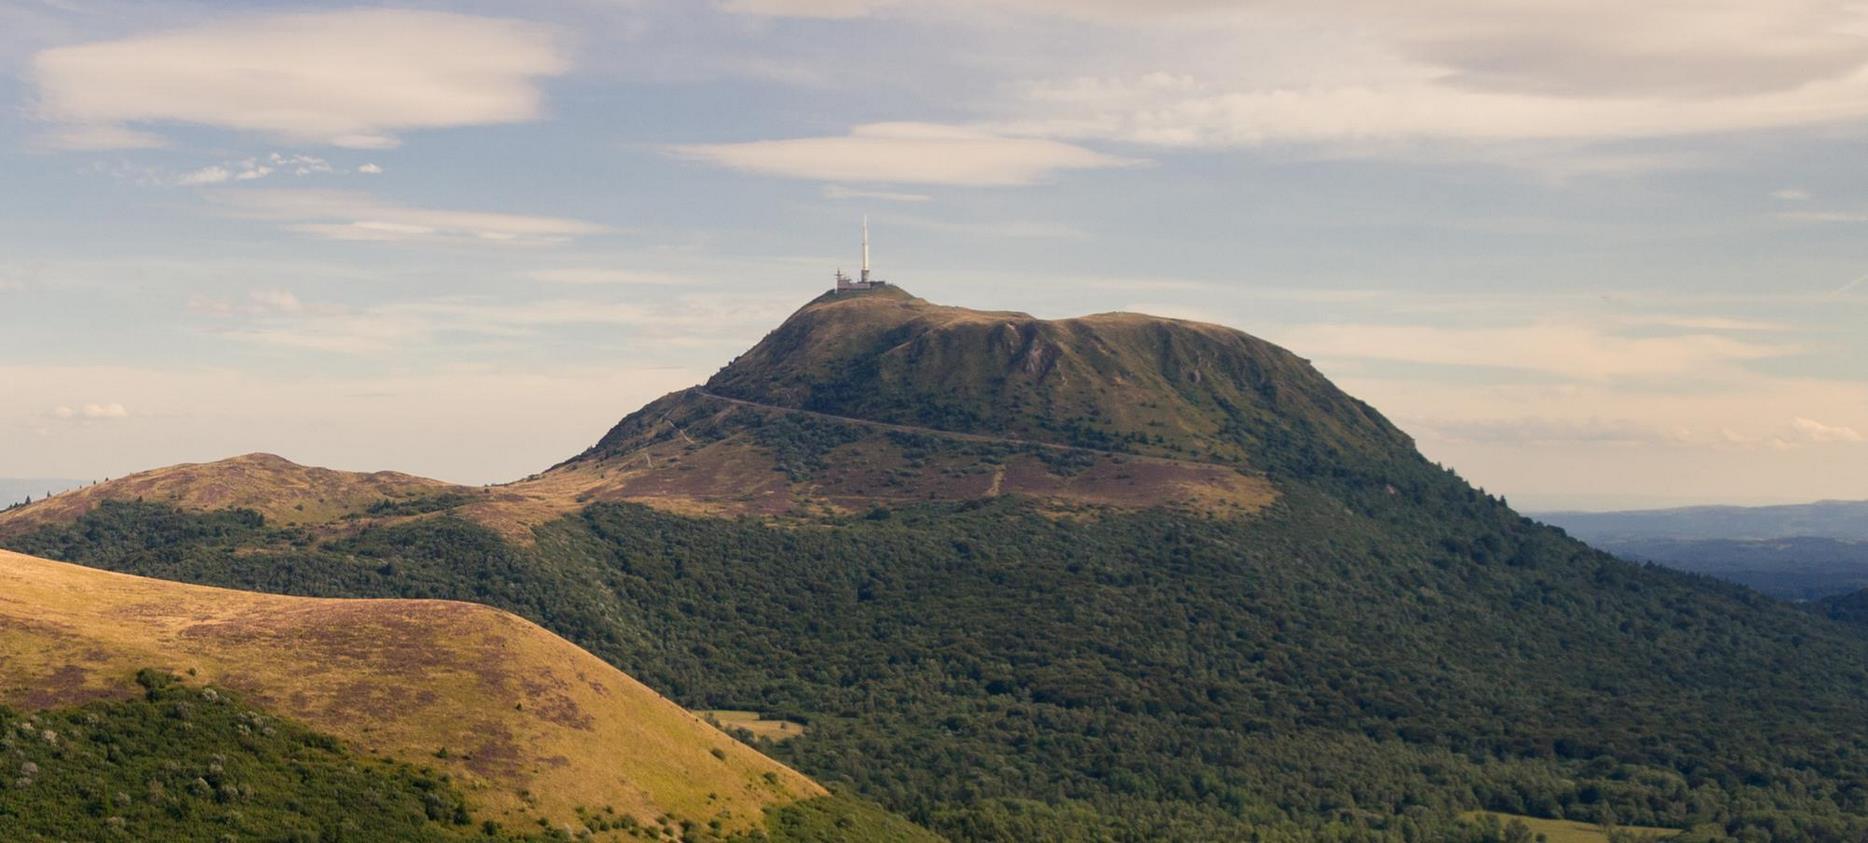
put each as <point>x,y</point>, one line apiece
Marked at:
<point>997,674</point>
<point>192,763</point>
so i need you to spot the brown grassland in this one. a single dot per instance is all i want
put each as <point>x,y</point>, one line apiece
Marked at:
<point>530,725</point>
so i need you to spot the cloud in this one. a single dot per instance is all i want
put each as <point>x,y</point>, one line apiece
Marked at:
<point>825,9</point>
<point>298,164</point>
<point>1561,349</point>
<point>206,175</point>
<point>1550,431</point>
<point>370,169</point>
<point>281,320</point>
<point>90,412</point>
<point>257,303</point>
<point>346,215</point>
<point>837,191</point>
<point>1016,229</point>
<point>1706,323</point>
<point>582,275</point>
<point>1824,216</point>
<point>907,153</point>
<point>100,137</point>
<point>351,78</point>
<point>1810,430</point>
<point>1390,78</point>
<point>1790,194</point>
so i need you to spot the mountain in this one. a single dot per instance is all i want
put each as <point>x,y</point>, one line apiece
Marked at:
<point>1794,552</point>
<point>1108,578</point>
<point>526,725</point>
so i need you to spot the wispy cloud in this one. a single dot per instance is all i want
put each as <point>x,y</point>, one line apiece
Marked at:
<point>596,275</point>
<point>823,9</point>
<point>352,78</point>
<point>1810,430</point>
<point>1563,349</point>
<point>347,215</point>
<point>837,191</point>
<point>1401,77</point>
<point>1824,216</point>
<point>692,320</point>
<point>1016,229</point>
<point>1705,323</point>
<point>908,153</point>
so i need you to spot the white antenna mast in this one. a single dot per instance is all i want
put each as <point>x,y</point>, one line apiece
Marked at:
<point>865,248</point>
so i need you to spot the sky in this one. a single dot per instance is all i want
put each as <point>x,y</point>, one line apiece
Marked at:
<point>1590,254</point>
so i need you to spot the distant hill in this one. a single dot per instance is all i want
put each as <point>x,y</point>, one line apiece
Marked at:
<point>283,491</point>
<point>527,725</point>
<point>1794,552</point>
<point>1845,520</point>
<point>1107,578</point>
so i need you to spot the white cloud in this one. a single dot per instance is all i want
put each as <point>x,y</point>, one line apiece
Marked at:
<point>100,137</point>
<point>1385,77</point>
<point>1790,194</point>
<point>346,215</point>
<point>1824,216</point>
<point>90,412</point>
<point>837,191</point>
<point>907,153</point>
<point>206,175</point>
<point>1810,430</point>
<point>298,164</point>
<point>352,78</point>
<point>1563,349</point>
<point>370,169</point>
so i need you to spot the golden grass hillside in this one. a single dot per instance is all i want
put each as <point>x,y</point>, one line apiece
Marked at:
<point>530,725</point>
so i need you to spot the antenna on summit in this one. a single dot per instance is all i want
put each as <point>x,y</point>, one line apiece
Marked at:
<point>863,281</point>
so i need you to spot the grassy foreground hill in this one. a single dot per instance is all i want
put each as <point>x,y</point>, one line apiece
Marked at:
<point>531,730</point>
<point>1224,601</point>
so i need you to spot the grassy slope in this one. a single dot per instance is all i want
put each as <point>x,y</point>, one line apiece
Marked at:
<point>283,491</point>
<point>531,725</point>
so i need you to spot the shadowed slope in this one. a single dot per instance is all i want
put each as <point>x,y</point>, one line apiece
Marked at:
<point>531,725</point>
